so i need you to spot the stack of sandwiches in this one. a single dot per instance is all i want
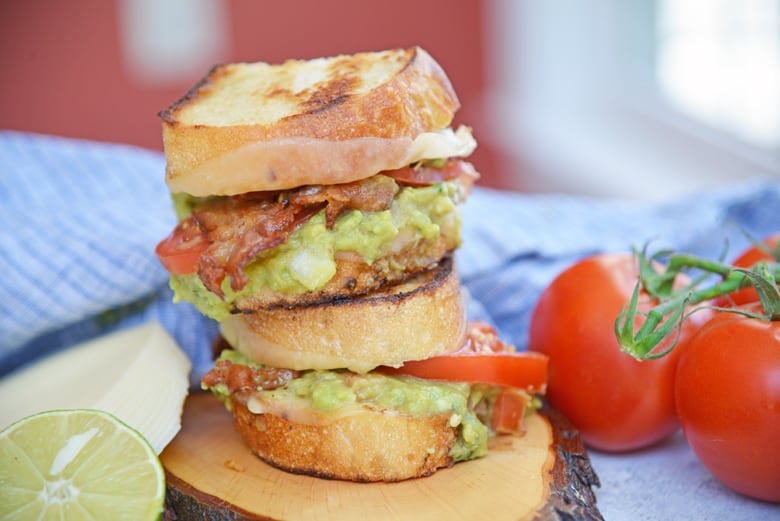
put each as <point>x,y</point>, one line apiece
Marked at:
<point>319,206</point>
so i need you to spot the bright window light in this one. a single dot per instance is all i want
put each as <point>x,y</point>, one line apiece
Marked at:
<point>718,61</point>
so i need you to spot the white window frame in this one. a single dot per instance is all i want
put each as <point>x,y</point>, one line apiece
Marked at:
<point>572,101</point>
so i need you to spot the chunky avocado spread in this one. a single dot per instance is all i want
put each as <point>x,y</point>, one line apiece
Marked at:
<point>330,391</point>
<point>306,261</point>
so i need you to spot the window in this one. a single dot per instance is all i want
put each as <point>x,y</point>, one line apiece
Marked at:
<point>647,100</point>
<point>719,62</point>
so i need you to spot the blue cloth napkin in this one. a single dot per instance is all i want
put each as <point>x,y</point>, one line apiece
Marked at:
<point>80,221</point>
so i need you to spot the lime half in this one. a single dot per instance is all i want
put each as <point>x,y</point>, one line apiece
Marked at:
<point>78,464</point>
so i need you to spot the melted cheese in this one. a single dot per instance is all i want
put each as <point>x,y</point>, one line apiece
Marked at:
<point>290,162</point>
<point>445,143</point>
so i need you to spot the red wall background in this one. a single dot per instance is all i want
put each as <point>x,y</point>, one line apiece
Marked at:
<point>64,74</point>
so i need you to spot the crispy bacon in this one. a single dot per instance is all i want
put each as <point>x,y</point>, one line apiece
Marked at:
<point>240,378</point>
<point>239,228</point>
<point>369,195</point>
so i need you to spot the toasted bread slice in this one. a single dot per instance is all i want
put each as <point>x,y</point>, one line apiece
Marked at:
<point>415,320</point>
<point>368,446</point>
<point>257,126</point>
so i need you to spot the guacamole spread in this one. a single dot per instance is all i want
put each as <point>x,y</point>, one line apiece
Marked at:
<point>307,260</point>
<point>331,391</point>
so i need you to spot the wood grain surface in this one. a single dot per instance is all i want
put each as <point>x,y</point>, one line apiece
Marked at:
<point>545,474</point>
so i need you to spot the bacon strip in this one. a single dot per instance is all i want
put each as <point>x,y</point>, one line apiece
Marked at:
<point>238,228</point>
<point>241,378</point>
<point>369,195</point>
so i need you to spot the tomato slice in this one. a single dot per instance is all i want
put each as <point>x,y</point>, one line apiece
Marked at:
<point>484,358</point>
<point>523,370</point>
<point>428,175</point>
<point>180,251</point>
<point>509,411</point>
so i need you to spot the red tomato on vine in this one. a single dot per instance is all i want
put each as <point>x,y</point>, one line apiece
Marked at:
<point>727,395</point>
<point>747,259</point>
<point>616,402</point>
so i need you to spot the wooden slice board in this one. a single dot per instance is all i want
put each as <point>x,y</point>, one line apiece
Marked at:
<point>545,474</point>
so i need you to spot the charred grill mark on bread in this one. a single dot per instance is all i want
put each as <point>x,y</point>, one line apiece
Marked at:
<point>428,318</point>
<point>436,275</point>
<point>199,89</point>
<point>388,95</point>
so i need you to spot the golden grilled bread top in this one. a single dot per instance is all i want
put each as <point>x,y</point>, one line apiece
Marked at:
<point>344,116</point>
<point>383,94</point>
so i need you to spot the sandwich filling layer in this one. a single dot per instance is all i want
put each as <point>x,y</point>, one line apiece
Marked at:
<point>395,227</point>
<point>323,397</point>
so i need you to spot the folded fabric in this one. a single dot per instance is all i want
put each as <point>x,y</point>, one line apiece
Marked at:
<point>515,244</point>
<point>81,221</point>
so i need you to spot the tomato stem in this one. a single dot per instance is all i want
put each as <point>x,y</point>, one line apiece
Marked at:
<point>675,304</point>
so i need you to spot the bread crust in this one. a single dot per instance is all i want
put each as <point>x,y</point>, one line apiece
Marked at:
<point>392,95</point>
<point>423,317</point>
<point>366,447</point>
